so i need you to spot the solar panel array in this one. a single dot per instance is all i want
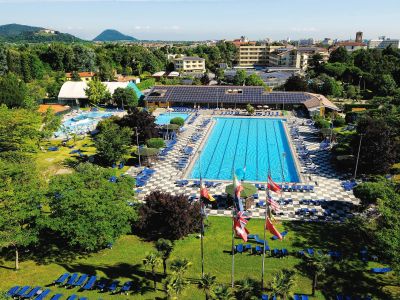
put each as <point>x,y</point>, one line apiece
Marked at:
<point>214,94</point>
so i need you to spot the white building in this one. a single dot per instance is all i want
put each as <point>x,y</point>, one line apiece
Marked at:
<point>190,64</point>
<point>383,43</point>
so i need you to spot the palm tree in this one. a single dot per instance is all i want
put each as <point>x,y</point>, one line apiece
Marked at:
<point>207,283</point>
<point>164,247</point>
<point>174,286</point>
<point>282,283</point>
<point>222,292</point>
<point>317,265</point>
<point>180,266</point>
<point>246,289</point>
<point>152,260</point>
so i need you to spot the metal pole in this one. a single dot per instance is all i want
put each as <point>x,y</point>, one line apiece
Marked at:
<point>168,123</point>
<point>266,213</point>
<point>358,156</point>
<point>202,212</point>
<point>233,248</point>
<point>137,143</point>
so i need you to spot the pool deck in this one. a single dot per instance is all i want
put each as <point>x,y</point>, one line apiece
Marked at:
<point>327,183</point>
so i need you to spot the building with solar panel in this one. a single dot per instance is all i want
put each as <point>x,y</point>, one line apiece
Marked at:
<point>235,97</point>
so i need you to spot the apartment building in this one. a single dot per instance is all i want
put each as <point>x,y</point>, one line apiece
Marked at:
<point>271,56</point>
<point>383,43</point>
<point>190,64</point>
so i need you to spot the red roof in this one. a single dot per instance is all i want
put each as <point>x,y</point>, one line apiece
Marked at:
<point>81,74</point>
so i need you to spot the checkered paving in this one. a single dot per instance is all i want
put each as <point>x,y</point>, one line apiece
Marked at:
<point>328,202</point>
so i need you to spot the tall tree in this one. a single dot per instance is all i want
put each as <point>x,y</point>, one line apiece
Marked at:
<point>296,83</point>
<point>13,91</point>
<point>254,80</point>
<point>240,77</point>
<point>113,142</point>
<point>318,264</point>
<point>88,211</point>
<point>207,284</point>
<point>97,92</point>
<point>21,196</point>
<point>339,55</point>
<point>125,97</point>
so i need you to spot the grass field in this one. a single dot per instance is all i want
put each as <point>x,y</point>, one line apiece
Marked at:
<point>124,262</point>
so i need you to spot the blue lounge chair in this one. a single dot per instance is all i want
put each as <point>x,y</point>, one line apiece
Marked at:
<point>126,287</point>
<point>73,297</point>
<point>380,270</point>
<point>90,283</point>
<point>81,280</point>
<point>247,247</point>
<point>56,297</point>
<point>285,252</point>
<point>339,297</point>
<point>72,279</point>
<point>239,248</point>
<point>61,279</point>
<point>304,297</point>
<point>297,297</point>
<point>113,286</point>
<point>32,293</point>
<point>43,295</point>
<point>112,179</point>
<point>83,298</point>
<point>310,251</point>
<point>264,297</point>
<point>22,291</point>
<point>258,250</point>
<point>101,284</point>
<point>11,292</point>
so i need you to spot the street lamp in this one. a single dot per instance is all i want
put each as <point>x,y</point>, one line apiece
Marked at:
<point>358,155</point>
<point>138,148</point>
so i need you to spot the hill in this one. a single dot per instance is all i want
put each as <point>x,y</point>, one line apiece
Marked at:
<point>112,35</point>
<point>17,33</point>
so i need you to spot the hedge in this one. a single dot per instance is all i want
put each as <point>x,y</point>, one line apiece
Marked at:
<point>178,121</point>
<point>155,143</point>
<point>348,107</point>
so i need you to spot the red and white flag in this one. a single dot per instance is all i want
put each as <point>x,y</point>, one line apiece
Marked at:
<point>239,225</point>
<point>271,228</point>
<point>273,204</point>
<point>204,192</point>
<point>272,186</point>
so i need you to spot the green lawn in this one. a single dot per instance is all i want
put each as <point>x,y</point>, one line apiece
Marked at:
<point>123,262</point>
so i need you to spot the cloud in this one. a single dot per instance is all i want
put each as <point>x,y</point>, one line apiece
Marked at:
<point>139,27</point>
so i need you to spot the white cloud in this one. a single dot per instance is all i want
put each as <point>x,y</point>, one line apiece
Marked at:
<point>139,27</point>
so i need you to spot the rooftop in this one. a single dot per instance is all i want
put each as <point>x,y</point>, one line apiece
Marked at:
<point>81,74</point>
<point>189,58</point>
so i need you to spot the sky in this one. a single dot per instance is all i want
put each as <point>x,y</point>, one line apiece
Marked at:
<point>210,19</point>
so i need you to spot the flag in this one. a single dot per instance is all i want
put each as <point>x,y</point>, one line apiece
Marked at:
<point>237,189</point>
<point>271,228</point>
<point>274,205</point>
<point>239,225</point>
<point>204,192</point>
<point>273,186</point>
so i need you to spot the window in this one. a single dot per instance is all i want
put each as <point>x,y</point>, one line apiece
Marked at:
<point>234,91</point>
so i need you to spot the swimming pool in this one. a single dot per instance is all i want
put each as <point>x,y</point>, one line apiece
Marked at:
<point>165,118</point>
<point>81,123</point>
<point>254,144</point>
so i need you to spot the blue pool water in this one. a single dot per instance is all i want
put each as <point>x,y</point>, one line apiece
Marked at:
<point>250,143</point>
<point>164,119</point>
<point>81,123</point>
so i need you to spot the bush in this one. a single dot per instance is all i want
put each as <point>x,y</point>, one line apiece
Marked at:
<point>395,169</point>
<point>155,143</point>
<point>339,121</point>
<point>369,192</point>
<point>146,84</point>
<point>342,149</point>
<point>178,121</point>
<point>321,122</point>
<point>166,216</point>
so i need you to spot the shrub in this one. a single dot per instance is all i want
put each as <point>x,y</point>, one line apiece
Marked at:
<point>342,149</point>
<point>166,216</point>
<point>155,143</point>
<point>369,192</point>
<point>339,121</point>
<point>395,169</point>
<point>146,84</point>
<point>178,121</point>
<point>321,123</point>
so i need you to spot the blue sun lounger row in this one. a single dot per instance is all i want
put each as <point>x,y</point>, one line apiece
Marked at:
<point>26,292</point>
<point>266,297</point>
<point>380,270</point>
<point>300,297</point>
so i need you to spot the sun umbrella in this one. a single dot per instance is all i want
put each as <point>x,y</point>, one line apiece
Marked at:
<point>248,190</point>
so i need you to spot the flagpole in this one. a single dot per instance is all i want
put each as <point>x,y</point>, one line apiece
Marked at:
<point>266,212</point>
<point>202,221</point>
<point>233,249</point>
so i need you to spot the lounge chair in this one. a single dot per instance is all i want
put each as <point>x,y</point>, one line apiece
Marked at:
<point>22,291</point>
<point>258,249</point>
<point>310,251</point>
<point>32,293</point>
<point>90,283</point>
<point>56,297</point>
<point>297,297</point>
<point>101,284</point>
<point>113,286</point>
<point>43,295</point>
<point>285,252</point>
<point>12,291</point>
<point>264,297</point>
<point>73,297</point>
<point>126,287</point>
<point>239,248</point>
<point>81,280</point>
<point>304,297</point>
<point>380,270</point>
<point>61,279</point>
<point>247,247</point>
<point>72,279</point>
<point>83,298</point>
